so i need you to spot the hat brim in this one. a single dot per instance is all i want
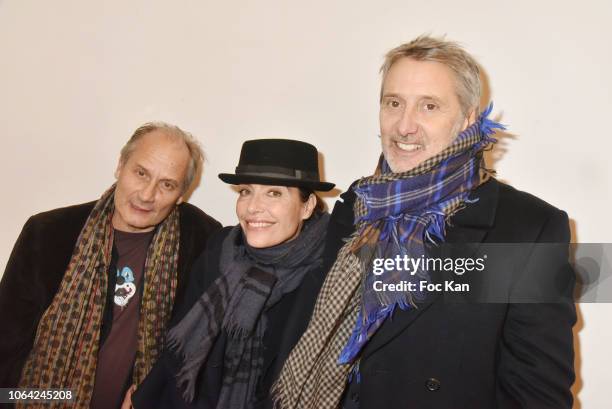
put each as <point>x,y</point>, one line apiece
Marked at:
<point>277,181</point>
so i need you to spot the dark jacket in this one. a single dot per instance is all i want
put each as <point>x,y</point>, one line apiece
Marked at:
<point>475,355</point>
<point>287,321</point>
<point>38,262</point>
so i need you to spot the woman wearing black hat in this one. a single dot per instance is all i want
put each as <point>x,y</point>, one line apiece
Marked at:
<point>260,281</point>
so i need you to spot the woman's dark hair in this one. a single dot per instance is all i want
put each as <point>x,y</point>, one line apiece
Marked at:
<point>305,194</point>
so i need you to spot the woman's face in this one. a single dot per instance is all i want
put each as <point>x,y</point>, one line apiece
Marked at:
<point>271,215</point>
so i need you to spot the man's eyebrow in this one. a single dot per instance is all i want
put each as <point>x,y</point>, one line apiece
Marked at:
<point>422,96</point>
<point>435,98</point>
<point>391,95</point>
<point>138,165</point>
<point>141,166</point>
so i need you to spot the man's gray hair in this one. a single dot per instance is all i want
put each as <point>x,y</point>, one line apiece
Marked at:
<point>195,151</point>
<point>449,53</point>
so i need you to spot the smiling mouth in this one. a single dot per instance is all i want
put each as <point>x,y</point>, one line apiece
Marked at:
<point>258,224</point>
<point>409,147</point>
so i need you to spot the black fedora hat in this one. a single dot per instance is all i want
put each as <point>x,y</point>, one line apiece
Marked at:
<point>282,162</point>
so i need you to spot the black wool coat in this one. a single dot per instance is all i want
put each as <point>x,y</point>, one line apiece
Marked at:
<point>287,321</point>
<point>473,355</point>
<point>37,265</point>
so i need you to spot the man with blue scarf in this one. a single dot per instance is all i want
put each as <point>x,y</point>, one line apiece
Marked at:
<point>509,343</point>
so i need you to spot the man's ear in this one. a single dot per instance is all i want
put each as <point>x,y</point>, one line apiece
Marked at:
<point>118,169</point>
<point>309,206</point>
<point>179,200</point>
<point>469,119</point>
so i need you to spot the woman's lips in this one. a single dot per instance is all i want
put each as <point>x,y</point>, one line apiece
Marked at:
<point>258,224</point>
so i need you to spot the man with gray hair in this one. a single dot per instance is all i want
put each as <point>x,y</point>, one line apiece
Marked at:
<point>89,289</point>
<point>385,335</point>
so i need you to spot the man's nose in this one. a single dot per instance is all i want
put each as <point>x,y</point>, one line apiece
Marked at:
<point>407,123</point>
<point>147,194</point>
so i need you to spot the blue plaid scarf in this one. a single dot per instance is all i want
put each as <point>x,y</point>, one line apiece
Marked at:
<point>396,213</point>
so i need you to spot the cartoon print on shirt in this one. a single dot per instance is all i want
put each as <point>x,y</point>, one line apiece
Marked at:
<point>125,287</point>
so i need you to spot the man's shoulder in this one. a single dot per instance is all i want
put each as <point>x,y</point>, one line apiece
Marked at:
<point>52,234</point>
<point>512,200</point>
<point>194,218</point>
<point>74,214</point>
<point>521,216</point>
<point>214,245</point>
<point>217,239</point>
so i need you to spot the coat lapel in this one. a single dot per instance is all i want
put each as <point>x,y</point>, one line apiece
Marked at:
<point>469,227</point>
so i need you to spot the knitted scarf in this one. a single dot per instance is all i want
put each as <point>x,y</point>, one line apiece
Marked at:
<point>394,214</point>
<point>65,350</point>
<point>252,281</point>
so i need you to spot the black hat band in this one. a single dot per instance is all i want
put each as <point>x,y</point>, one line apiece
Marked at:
<point>276,171</point>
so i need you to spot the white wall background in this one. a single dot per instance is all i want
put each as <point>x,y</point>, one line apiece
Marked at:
<point>77,77</point>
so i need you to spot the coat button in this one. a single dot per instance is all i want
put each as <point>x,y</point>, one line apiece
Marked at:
<point>432,384</point>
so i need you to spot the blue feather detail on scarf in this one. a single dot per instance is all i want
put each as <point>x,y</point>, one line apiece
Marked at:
<point>407,212</point>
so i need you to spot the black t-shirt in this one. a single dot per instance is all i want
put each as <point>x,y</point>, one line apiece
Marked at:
<point>116,356</point>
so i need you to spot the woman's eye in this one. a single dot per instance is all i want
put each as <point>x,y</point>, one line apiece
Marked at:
<point>430,106</point>
<point>243,192</point>
<point>274,193</point>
